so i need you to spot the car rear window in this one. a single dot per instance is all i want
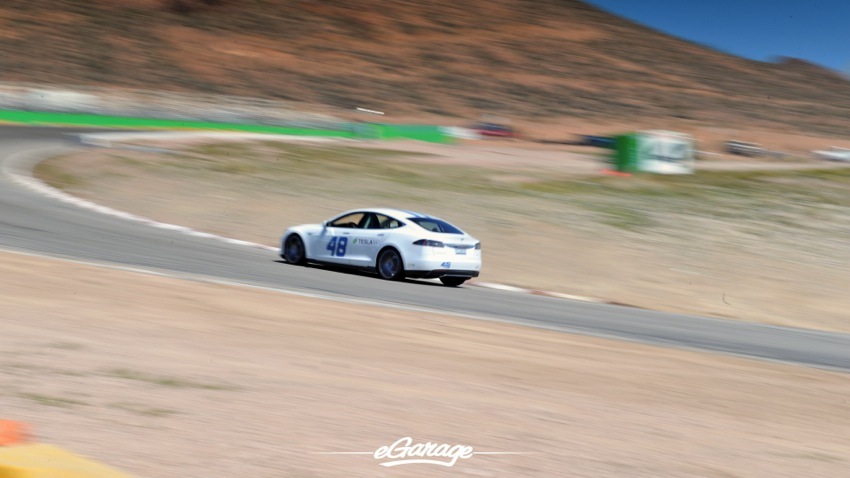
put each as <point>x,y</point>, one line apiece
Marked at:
<point>435,225</point>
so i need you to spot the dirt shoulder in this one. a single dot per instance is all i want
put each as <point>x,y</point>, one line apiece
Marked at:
<point>164,378</point>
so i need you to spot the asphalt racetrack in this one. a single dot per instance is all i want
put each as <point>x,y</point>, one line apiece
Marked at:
<point>32,222</point>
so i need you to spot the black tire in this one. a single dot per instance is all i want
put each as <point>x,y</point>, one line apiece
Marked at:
<point>452,281</point>
<point>390,265</point>
<point>293,250</point>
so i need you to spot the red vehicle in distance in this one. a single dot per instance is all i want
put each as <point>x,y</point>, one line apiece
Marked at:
<point>495,130</point>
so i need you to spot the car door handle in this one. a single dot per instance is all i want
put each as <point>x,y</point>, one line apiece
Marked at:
<point>379,235</point>
<point>346,233</point>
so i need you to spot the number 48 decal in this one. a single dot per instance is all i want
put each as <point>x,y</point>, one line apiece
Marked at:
<point>337,247</point>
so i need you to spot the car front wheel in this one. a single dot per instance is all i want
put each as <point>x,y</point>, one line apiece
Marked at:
<point>390,266</point>
<point>293,250</point>
<point>452,281</point>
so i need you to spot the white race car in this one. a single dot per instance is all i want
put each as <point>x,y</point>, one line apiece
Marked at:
<point>392,242</point>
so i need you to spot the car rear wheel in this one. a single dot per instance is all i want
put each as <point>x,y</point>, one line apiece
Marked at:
<point>293,250</point>
<point>452,281</point>
<point>390,266</point>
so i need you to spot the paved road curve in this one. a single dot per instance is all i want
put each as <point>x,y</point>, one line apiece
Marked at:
<point>39,224</point>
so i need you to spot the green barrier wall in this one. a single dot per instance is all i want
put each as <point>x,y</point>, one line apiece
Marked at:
<point>68,119</point>
<point>433,134</point>
<point>626,153</point>
<point>429,133</point>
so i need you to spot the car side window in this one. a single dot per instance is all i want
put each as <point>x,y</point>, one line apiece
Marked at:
<point>386,222</point>
<point>368,222</point>
<point>349,220</point>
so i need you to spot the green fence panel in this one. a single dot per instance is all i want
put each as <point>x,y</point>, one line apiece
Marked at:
<point>429,133</point>
<point>434,134</point>
<point>626,153</point>
<point>71,119</point>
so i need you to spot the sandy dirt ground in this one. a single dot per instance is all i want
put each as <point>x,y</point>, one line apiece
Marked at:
<point>173,378</point>
<point>164,378</point>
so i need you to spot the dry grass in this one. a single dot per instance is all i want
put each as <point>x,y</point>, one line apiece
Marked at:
<point>762,246</point>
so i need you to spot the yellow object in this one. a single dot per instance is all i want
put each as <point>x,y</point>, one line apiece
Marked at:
<point>46,461</point>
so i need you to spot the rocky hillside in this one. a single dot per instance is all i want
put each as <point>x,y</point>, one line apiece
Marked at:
<point>528,59</point>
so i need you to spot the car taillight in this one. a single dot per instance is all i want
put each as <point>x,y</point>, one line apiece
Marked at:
<point>478,245</point>
<point>428,242</point>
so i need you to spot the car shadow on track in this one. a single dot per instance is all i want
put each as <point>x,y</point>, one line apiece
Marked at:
<point>361,273</point>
